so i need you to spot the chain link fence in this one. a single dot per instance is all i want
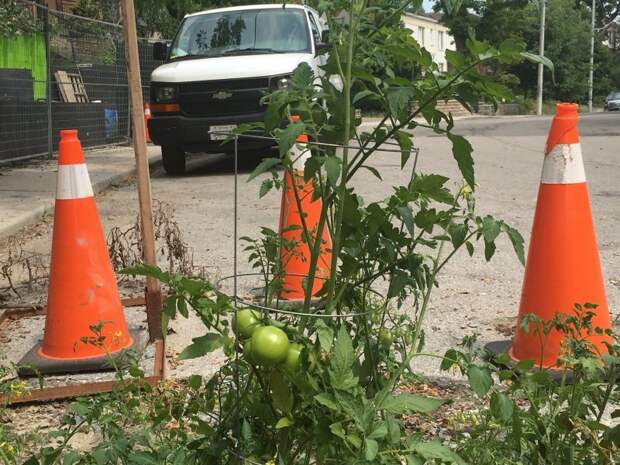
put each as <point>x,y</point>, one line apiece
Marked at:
<point>59,70</point>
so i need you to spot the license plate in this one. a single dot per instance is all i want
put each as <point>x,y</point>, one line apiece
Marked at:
<point>221,131</point>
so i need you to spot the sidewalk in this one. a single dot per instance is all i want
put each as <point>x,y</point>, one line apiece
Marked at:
<point>27,191</point>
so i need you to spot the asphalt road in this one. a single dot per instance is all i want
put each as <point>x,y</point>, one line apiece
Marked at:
<point>474,296</point>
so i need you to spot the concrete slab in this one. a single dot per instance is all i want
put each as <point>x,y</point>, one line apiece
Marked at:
<point>27,190</point>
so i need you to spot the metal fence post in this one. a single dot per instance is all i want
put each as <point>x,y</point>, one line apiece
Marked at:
<point>46,32</point>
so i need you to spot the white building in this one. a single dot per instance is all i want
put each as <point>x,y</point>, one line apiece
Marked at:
<point>432,35</point>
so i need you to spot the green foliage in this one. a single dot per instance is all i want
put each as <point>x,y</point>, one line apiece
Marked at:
<point>164,16</point>
<point>15,19</point>
<point>11,443</point>
<point>529,416</point>
<point>567,47</point>
<point>354,348</point>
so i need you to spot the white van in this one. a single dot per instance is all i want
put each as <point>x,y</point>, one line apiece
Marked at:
<point>218,68</point>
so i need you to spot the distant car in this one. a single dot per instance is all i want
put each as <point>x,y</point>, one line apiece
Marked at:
<point>612,102</point>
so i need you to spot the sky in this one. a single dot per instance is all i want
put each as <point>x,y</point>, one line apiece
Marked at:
<point>428,4</point>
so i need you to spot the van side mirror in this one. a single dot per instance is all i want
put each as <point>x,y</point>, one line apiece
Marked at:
<point>323,45</point>
<point>160,51</point>
<point>325,36</point>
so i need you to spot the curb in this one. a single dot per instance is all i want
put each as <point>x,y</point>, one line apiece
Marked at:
<point>34,216</point>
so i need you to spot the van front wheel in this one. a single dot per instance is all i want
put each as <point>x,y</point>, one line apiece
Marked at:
<point>173,159</point>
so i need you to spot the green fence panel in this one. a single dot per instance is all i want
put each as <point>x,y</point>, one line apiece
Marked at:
<point>26,52</point>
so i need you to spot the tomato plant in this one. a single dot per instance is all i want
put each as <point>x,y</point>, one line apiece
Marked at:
<point>320,385</point>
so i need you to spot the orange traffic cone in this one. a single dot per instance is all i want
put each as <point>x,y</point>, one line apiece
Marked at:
<point>82,288</point>
<point>563,266</point>
<point>147,117</point>
<point>295,259</point>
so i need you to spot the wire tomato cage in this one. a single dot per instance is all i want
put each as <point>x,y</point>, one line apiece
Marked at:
<point>282,307</point>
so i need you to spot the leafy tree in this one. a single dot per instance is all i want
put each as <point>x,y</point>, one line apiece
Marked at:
<point>569,49</point>
<point>511,19</point>
<point>16,19</point>
<point>161,17</point>
<point>460,16</point>
<point>606,10</point>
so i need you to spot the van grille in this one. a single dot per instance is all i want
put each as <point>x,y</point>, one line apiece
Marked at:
<point>229,97</point>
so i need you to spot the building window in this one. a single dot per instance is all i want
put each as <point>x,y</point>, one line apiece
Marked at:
<point>440,39</point>
<point>421,34</point>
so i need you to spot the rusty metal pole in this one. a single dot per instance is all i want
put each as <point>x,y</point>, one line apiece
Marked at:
<point>153,289</point>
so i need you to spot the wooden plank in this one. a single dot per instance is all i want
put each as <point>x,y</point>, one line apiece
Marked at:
<point>79,91</point>
<point>153,288</point>
<point>69,392</point>
<point>64,86</point>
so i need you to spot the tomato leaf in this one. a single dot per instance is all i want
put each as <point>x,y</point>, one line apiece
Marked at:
<point>435,450</point>
<point>371,449</point>
<point>374,171</point>
<point>407,217</point>
<point>501,407</point>
<point>265,187</point>
<point>284,422</point>
<point>517,243</point>
<point>431,186</point>
<point>490,228</point>
<point>341,365</point>
<point>287,137</point>
<point>332,166</point>
<point>379,432</point>
<point>281,393</point>
<point>480,379</point>
<point>407,403</point>
<point>202,345</point>
<point>327,400</point>
<point>397,283</point>
<point>404,141</point>
<point>338,430</point>
<point>325,335</point>
<point>457,233</point>
<point>462,150</point>
<point>265,165</point>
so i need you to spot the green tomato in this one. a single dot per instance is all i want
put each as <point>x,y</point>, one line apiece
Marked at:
<point>293,361</point>
<point>269,345</point>
<point>247,352</point>
<point>245,322</point>
<point>312,360</point>
<point>385,337</point>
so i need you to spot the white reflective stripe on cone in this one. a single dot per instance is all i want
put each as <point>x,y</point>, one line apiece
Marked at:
<point>73,182</point>
<point>564,165</point>
<point>300,152</point>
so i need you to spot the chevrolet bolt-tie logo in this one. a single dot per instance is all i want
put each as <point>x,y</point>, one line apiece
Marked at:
<point>222,95</point>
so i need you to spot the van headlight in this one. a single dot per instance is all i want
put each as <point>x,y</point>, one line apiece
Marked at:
<point>165,94</point>
<point>281,83</point>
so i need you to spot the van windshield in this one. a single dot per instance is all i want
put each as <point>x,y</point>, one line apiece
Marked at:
<point>243,32</point>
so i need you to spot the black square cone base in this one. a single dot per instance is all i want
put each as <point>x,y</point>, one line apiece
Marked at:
<point>34,364</point>
<point>496,348</point>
